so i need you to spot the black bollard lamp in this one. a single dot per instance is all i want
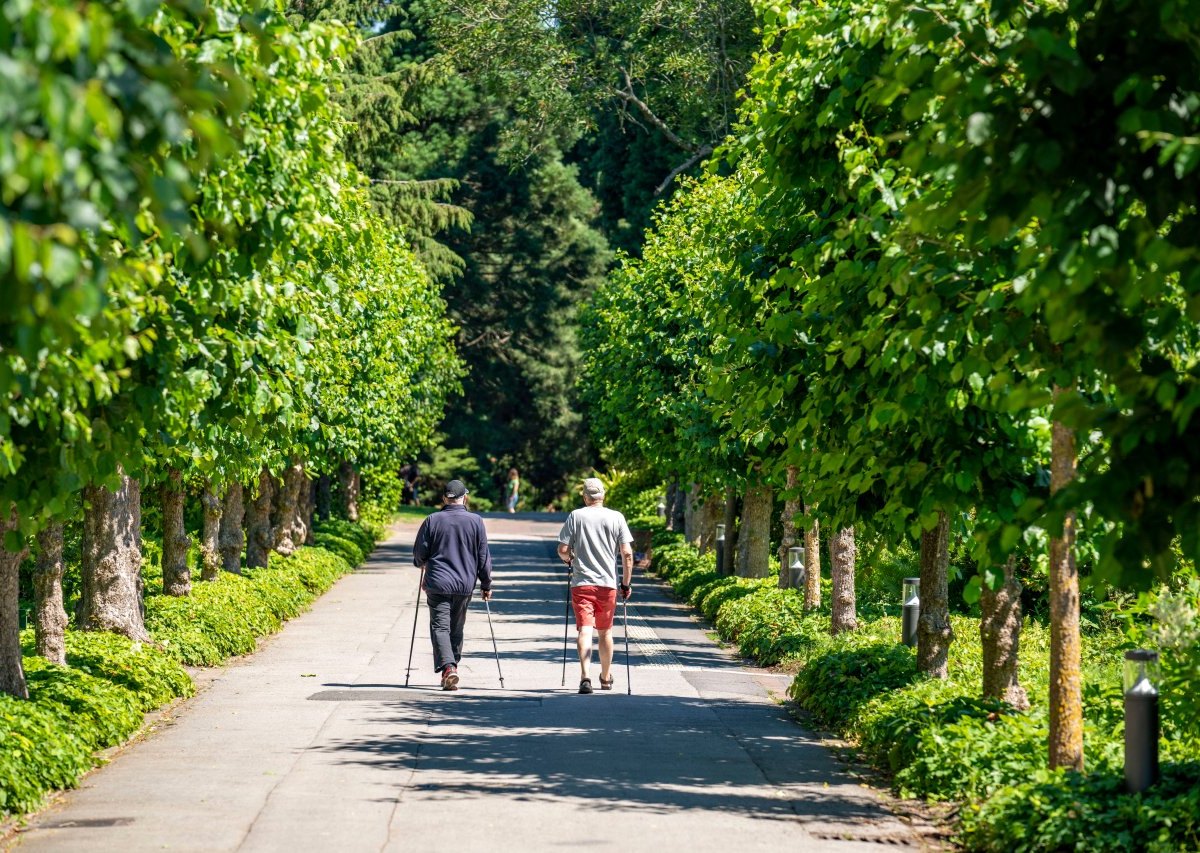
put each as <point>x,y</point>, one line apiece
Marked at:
<point>795,567</point>
<point>720,549</point>
<point>1141,719</point>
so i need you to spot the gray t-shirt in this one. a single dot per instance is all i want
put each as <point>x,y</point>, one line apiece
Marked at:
<point>596,534</point>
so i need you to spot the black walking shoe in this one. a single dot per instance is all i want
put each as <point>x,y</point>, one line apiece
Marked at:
<point>585,686</point>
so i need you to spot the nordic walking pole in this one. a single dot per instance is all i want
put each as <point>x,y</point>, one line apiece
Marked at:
<point>567,619</point>
<point>625,615</point>
<point>413,641</point>
<point>494,648</point>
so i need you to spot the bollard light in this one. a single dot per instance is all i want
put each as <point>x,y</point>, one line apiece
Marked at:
<point>911,599</point>
<point>1141,719</point>
<point>795,567</point>
<point>720,549</point>
<point>662,509</point>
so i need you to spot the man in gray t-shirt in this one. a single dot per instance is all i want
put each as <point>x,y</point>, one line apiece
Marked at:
<point>590,542</point>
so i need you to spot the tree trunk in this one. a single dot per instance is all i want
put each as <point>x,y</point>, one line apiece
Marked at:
<point>669,504</point>
<point>177,577</point>
<point>210,538</point>
<point>324,497</point>
<point>1000,633</point>
<point>731,534</point>
<point>791,508</point>
<point>676,509</point>
<point>1066,696</point>
<point>754,538</point>
<point>233,513</point>
<point>812,552</point>
<point>707,517</point>
<point>110,569</point>
<point>348,483</point>
<point>259,538</point>
<point>287,530</point>
<point>842,554</point>
<point>934,634</point>
<point>12,672</point>
<point>691,515</point>
<point>51,618</point>
<point>308,509</point>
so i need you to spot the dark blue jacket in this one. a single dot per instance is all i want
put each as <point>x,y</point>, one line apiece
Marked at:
<point>452,546</point>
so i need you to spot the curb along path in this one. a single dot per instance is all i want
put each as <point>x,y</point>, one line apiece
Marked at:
<point>313,743</point>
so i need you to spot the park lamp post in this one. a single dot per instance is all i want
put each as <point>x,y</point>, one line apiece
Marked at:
<point>721,549</point>
<point>661,509</point>
<point>1141,719</point>
<point>911,599</point>
<point>795,567</point>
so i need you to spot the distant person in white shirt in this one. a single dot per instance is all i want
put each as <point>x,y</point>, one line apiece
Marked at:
<point>591,540</point>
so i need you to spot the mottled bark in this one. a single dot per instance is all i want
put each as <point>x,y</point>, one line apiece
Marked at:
<point>324,497</point>
<point>791,508</point>
<point>110,569</point>
<point>842,554</point>
<point>308,509</point>
<point>708,516</point>
<point>50,618</point>
<point>934,634</point>
<point>287,529</point>
<point>232,540</point>
<point>1000,634</point>
<point>348,485</point>
<point>754,534</point>
<point>731,533</point>
<point>691,509</point>
<point>1066,692</point>
<point>177,576</point>
<point>210,534</point>
<point>812,552</point>
<point>12,672</point>
<point>669,504</point>
<point>259,538</point>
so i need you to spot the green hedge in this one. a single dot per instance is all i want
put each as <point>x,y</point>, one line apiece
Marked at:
<point>226,616</point>
<point>99,699</point>
<point>94,702</point>
<point>938,738</point>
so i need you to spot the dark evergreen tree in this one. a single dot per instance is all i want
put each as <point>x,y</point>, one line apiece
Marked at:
<point>517,244</point>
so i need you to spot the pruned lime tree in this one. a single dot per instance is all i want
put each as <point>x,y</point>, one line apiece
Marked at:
<point>200,301</point>
<point>967,309</point>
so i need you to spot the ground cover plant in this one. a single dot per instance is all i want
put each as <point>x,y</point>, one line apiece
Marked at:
<point>109,682</point>
<point>938,740</point>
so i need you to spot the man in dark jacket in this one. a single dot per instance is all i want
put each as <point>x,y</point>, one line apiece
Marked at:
<point>452,552</point>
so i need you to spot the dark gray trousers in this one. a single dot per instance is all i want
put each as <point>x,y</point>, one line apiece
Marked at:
<point>447,617</point>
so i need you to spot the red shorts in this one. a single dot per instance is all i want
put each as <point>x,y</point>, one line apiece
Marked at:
<point>594,605</point>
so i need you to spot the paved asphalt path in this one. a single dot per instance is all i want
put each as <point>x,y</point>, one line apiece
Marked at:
<point>314,743</point>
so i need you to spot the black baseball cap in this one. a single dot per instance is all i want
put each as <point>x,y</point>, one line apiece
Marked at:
<point>455,489</point>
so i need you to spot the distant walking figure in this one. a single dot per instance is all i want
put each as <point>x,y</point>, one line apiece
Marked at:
<point>592,538</point>
<point>511,489</point>
<point>452,550</point>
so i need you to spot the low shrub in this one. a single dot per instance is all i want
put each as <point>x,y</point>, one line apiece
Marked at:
<point>100,697</point>
<point>1060,810</point>
<point>95,702</point>
<point>942,741</point>
<point>362,535</point>
<point>344,548</point>
<point>225,617</point>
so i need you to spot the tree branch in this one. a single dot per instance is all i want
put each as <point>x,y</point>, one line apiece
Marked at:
<point>704,151</point>
<point>628,96</point>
